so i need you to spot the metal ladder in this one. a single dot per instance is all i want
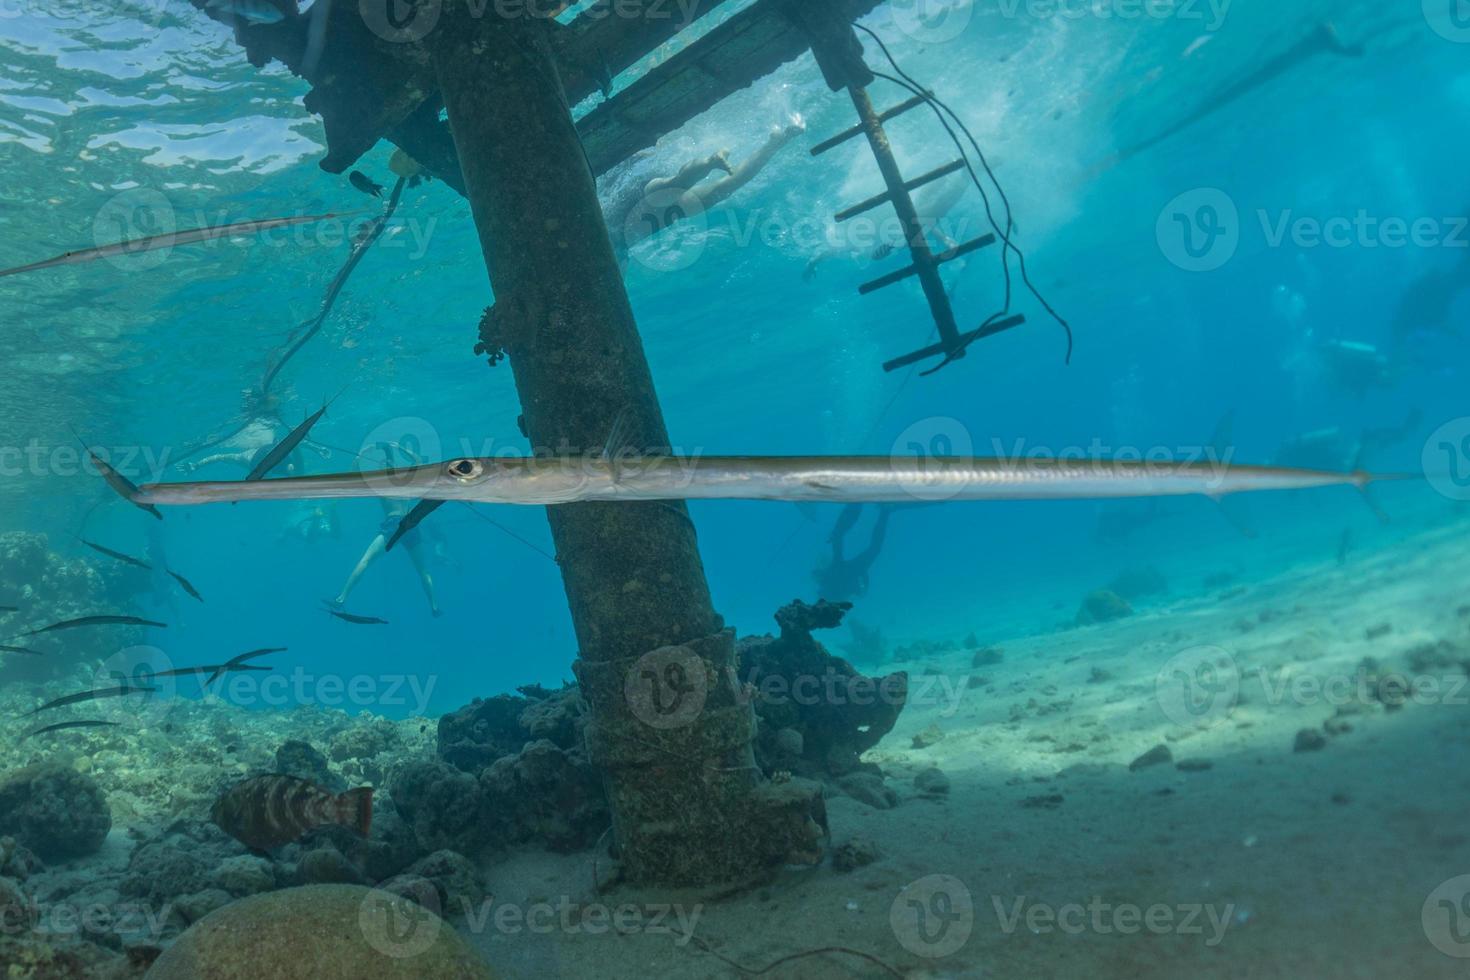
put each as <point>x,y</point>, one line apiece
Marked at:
<point>839,54</point>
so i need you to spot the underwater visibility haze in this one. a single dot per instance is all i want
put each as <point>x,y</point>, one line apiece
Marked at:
<point>717,488</point>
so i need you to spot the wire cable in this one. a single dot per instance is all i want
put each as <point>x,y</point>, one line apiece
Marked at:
<point>941,109</point>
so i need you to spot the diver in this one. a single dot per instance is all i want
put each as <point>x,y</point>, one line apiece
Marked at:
<point>418,543</point>
<point>1356,366</point>
<point>643,208</point>
<point>842,578</point>
<point>1335,450</point>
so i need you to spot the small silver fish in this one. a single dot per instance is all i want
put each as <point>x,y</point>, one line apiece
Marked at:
<point>186,585</point>
<point>354,619</point>
<point>117,555</point>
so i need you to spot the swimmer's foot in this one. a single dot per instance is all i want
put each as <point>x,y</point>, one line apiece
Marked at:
<point>337,603</point>
<point>721,161</point>
<point>796,126</point>
<point>436,612</point>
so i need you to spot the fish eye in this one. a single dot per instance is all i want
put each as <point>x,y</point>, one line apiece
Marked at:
<point>466,469</point>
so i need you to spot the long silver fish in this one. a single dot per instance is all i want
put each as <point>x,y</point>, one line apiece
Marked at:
<point>72,624</point>
<point>288,445</point>
<point>93,695</point>
<point>65,726</point>
<point>829,479</point>
<point>169,240</point>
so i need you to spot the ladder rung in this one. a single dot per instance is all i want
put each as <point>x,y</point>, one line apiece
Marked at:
<point>857,130</point>
<point>935,350</point>
<point>949,255</point>
<point>911,186</point>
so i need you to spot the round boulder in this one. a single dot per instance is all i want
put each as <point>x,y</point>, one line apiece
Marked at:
<point>320,932</point>
<point>54,811</point>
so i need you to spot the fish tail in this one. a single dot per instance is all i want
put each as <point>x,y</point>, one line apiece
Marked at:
<point>1363,480</point>
<point>355,810</point>
<point>340,392</point>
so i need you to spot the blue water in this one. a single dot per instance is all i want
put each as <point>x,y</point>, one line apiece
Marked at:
<point>748,357</point>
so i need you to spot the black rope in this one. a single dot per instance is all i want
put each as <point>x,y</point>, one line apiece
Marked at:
<point>509,533</point>
<point>940,109</point>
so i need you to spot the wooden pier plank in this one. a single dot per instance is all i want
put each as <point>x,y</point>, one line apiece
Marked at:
<point>367,89</point>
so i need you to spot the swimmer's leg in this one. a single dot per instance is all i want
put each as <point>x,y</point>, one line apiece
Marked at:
<point>373,553</point>
<point>713,193</point>
<point>415,555</point>
<point>692,173</point>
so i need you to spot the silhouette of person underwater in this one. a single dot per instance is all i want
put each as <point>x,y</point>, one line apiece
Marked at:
<point>840,577</point>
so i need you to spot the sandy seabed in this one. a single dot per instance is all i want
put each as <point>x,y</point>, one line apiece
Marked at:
<point>1251,850</point>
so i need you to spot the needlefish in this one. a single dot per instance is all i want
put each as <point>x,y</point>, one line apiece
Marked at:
<point>822,479</point>
<point>120,484</point>
<point>184,583</point>
<point>93,695</point>
<point>71,624</point>
<point>66,726</point>
<point>288,445</point>
<point>169,240</point>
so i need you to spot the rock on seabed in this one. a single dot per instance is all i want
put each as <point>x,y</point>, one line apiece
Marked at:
<point>321,932</point>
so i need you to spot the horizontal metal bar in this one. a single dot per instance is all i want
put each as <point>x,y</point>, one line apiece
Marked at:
<point>911,186</point>
<point>948,255</point>
<point>936,350</point>
<point>857,130</point>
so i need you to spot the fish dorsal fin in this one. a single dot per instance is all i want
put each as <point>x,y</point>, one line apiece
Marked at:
<point>1222,440</point>
<point>617,436</point>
